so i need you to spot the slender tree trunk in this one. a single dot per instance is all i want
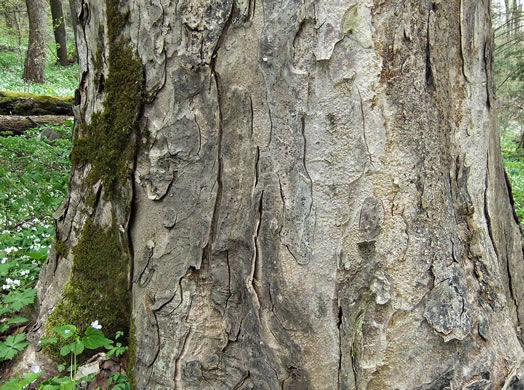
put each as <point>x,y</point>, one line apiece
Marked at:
<point>74,25</point>
<point>311,197</point>
<point>59,31</point>
<point>507,14</point>
<point>35,57</point>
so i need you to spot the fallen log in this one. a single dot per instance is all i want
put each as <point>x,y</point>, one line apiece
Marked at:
<point>23,103</point>
<point>17,124</point>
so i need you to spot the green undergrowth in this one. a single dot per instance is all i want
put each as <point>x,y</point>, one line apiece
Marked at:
<point>59,80</point>
<point>514,164</point>
<point>33,182</point>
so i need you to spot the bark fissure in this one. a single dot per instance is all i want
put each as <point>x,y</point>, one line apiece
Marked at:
<point>462,38</point>
<point>364,136</point>
<point>430,81</point>
<point>304,162</point>
<point>251,282</point>
<point>340,327</point>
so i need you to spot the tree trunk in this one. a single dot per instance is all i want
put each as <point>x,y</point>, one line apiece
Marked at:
<point>507,14</point>
<point>74,24</point>
<point>298,195</point>
<point>59,31</point>
<point>18,124</point>
<point>35,57</point>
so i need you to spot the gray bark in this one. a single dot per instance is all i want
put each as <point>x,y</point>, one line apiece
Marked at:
<point>74,23</point>
<point>35,56</point>
<point>59,31</point>
<point>317,197</point>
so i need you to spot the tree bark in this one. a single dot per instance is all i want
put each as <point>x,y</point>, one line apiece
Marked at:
<point>59,31</point>
<point>74,24</point>
<point>18,124</point>
<point>21,103</point>
<point>297,195</point>
<point>34,64</point>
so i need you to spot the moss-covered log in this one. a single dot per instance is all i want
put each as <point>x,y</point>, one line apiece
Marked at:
<point>18,124</point>
<point>22,103</point>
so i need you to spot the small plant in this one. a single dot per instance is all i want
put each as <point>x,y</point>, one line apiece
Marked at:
<point>13,303</point>
<point>93,339</point>
<point>117,349</point>
<point>119,382</point>
<point>12,345</point>
<point>19,382</point>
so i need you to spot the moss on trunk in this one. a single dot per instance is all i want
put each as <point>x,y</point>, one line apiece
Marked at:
<point>98,287</point>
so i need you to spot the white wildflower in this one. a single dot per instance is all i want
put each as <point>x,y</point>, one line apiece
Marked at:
<point>96,325</point>
<point>35,369</point>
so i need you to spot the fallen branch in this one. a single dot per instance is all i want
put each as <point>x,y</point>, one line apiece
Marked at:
<point>22,103</point>
<point>17,124</point>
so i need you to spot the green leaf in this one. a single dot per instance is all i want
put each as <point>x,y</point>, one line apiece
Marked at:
<point>3,328</point>
<point>4,269</point>
<point>12,345</point>
<point>48,340</point>
<point>76,348</point>
<point>17,320</point>
<point>65,331</point>
<point>18,300</point>
<point>30,377</point>
<point>66,349</point>
<point>68,385</point>
<point>94,339</point>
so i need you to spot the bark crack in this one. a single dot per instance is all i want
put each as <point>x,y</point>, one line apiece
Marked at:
<point>303,128</point>
<point>242,381</point>
<point>340,328</point>
<point>430,81</point>
<point>251,282</point>
<point>461,37</point>
<point>228,278</point>
<point>219,161</point>
<point>364,126</point>
<point>178,360</point>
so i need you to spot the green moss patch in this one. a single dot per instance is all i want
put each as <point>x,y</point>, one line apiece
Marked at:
<point>23,103</point>
<point>108,142</point>
<point>98,287</point>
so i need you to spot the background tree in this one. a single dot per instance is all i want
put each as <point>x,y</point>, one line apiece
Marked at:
<point>509,68</point>
<point>74,23</point>
<point>311,196</point>
<point>35,57</point>
<point>59,31</point>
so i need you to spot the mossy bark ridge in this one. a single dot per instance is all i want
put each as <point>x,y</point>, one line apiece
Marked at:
<point>92,250</point>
